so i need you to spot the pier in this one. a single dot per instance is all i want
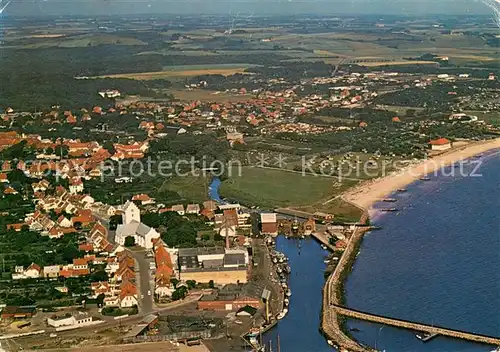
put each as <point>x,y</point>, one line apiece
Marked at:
<point>330,318</point>
<point>431,329</point>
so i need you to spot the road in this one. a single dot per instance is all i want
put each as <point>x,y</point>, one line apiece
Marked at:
<point>144,281</point>
<point>143,273</point>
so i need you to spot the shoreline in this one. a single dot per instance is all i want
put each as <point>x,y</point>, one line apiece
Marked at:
<point>369,192</point>
<point>364,196</point>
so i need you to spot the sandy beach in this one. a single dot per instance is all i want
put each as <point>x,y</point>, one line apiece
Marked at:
<point>369,192</point>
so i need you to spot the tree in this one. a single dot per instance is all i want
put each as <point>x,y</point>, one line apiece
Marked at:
<point>174,282</point>
<point>180,293</point>
<point>129,241</point>
<point>410,113</point>
<point>70,252</point>
<point>100,300</point>
<point>61,150</point>
<point>191,284</point>
<point>99,275</point>
<point>211,284</point>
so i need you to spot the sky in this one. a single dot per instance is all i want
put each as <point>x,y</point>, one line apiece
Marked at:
<point>257,7</point>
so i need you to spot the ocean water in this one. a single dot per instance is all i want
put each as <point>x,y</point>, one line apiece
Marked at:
<point>437,261</point>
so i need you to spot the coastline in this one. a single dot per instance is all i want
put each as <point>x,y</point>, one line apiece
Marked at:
<point>364,196</point>
<point>367,193</point>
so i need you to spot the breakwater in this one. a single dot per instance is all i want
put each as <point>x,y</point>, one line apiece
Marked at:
<point>331,320</point>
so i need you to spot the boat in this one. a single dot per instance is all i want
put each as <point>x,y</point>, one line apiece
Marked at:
<point>355,330</point>
<point>425,178</point>
<point>423,336</point>
<point>335,258</point>
<point>281,260</point>
<point>279,270</point>
<point>289,293</point>
<point>324,247</point>
<point>282,314</point>
<point>389,209</point>
<point>391,200</point>
<point>286,301</point>
<point>326,261</point>
<point>402,190</point>
<point>288,269</point>
<point>275,261</point>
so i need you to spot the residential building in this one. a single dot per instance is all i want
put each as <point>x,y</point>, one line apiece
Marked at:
<point>269,225</point>
<point>193,209</point>
<point>440,144</point>
<point>76,320</point>
<point>51,271</point>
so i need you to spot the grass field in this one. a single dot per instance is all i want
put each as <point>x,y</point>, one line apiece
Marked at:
<point>207,95</point>
<point>184,71</point>
<point>190,187</point>
<point>383,63</point>
<point>80,41</point>
<point>274,188</point>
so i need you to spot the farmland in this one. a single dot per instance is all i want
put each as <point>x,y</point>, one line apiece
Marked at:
<point>184,71</point>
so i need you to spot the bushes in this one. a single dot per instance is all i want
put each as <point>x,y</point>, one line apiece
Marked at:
<point>116,311</point>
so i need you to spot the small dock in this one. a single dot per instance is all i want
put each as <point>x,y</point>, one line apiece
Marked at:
<point>323,239</point>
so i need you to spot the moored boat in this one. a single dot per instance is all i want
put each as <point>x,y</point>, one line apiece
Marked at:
<point>391,200</point>
<point>389,209</point>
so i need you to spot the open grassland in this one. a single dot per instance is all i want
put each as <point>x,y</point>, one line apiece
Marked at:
<point>184,71</point>
<point>383,63</point>
<point>269,188</point>
<point>78,41</point>
<point>207,96</point>
<point>190,187</point>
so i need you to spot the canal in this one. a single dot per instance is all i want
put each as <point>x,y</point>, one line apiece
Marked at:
<point>299,330</point>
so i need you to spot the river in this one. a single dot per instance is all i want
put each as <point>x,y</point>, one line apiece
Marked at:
<point>436,261</point>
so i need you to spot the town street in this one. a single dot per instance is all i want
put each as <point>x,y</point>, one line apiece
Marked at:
<point>146,292</point>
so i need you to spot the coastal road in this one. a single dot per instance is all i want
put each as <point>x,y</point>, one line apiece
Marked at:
<point>144,280</point>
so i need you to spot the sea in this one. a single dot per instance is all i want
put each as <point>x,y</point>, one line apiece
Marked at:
<point>435,261</point>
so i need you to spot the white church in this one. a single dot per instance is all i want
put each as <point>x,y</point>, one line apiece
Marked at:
<point>132,226</point>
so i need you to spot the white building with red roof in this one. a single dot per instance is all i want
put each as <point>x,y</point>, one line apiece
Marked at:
<point>440,144</point>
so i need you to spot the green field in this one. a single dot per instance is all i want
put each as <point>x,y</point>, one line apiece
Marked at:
<point>190,188</point>
<point>274,188</point>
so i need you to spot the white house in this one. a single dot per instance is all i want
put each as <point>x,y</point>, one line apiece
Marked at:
<point>440,144</point>
<point>128,295</point>
<point>76,186</point>
<point>33,271</point>
<point>193,209</point>
<point>64,221</point>
<point>132,226</point>
<point>179,209</point>
<point>76,320</point>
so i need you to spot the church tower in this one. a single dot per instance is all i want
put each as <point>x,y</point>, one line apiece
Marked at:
<point>131,213</point>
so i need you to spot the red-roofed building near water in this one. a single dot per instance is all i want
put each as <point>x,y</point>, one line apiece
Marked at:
<point>440,144</point>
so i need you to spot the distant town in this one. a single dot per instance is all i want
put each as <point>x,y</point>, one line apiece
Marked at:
<point>98,247</point>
